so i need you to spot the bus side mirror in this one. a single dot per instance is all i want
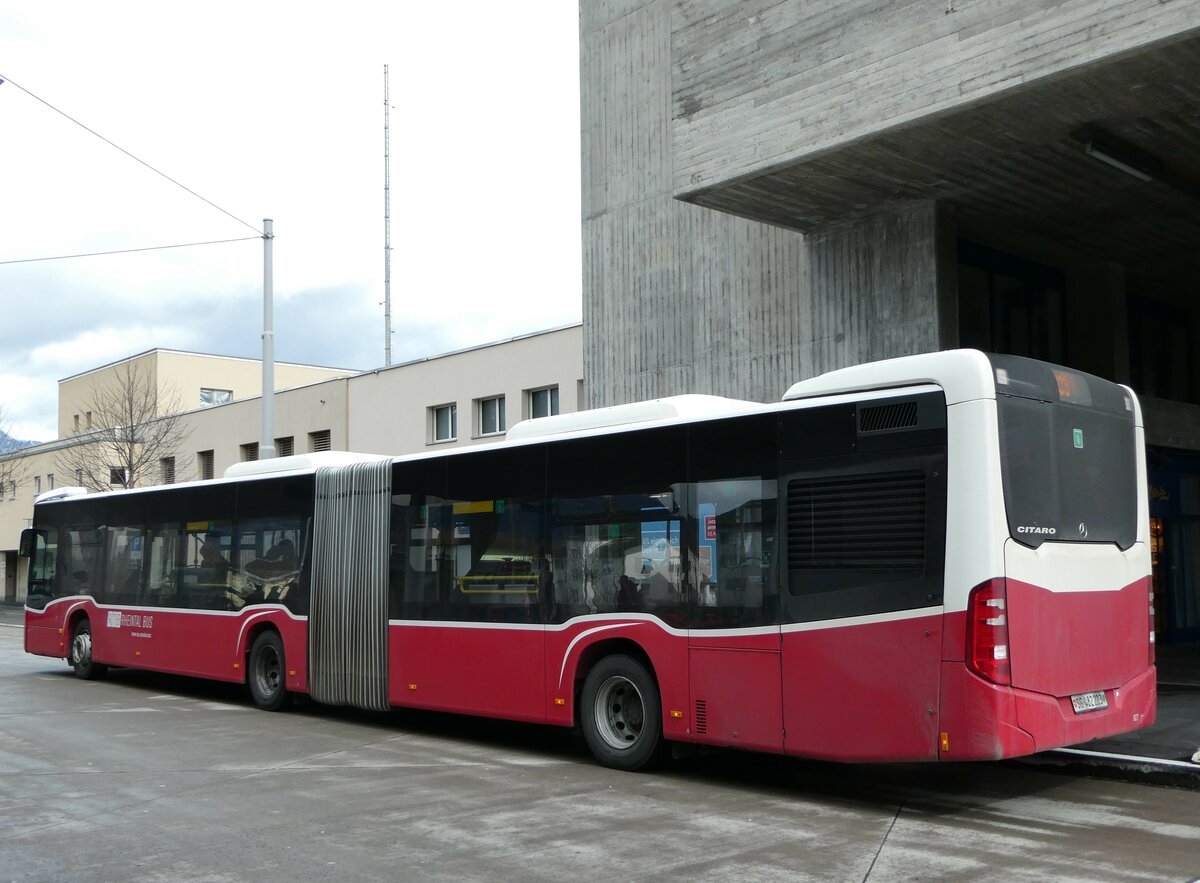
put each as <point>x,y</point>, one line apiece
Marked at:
<point>29,537</point>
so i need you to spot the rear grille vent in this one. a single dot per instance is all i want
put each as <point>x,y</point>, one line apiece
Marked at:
<point>701,717</point>
<point>879,418</point>
<point>858,522</point>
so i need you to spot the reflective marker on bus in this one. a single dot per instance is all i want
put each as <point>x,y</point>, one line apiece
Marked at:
<point>939,557</point>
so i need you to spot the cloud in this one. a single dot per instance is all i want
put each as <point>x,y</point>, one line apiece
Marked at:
<point>484,182</point>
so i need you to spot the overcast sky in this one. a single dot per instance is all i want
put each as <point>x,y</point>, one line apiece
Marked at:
<point>272,109</point>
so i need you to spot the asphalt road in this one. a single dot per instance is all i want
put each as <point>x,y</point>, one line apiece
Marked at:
<point>144,777</point>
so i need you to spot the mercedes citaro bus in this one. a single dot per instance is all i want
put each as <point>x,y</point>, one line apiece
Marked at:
<point>937,557</point>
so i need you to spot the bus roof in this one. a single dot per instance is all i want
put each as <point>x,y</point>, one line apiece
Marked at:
<point>683,407</point>
<point>964,375</point>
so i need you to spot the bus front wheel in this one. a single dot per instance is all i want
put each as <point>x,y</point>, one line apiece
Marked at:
<point>621,713</point>
<point>267,684</point>
<point>81,653</point>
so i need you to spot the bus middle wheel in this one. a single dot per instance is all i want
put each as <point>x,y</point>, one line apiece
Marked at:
<point>267,673</point>
<point>621,713</point>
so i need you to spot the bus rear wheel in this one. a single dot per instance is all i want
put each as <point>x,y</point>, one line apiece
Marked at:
<point>267,683</point>
<point>81,653</point>
<point>621,714</point>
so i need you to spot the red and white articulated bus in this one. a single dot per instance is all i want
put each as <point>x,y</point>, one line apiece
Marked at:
<point>938,557</point>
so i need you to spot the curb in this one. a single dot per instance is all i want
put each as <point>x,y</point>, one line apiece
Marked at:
<point>1125,767</point>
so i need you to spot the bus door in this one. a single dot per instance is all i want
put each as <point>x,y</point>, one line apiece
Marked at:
<point>733,639</point>
<point>471,577</point>
<point>862,497</point>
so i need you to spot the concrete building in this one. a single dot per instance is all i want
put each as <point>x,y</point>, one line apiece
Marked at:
<point>403,409</point>
<point>776,188</point>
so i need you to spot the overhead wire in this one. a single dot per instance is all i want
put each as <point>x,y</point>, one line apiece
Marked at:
<point>92,254</point>
<point>4,79</point>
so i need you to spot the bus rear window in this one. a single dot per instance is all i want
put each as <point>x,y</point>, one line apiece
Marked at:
<point>1068,455</point>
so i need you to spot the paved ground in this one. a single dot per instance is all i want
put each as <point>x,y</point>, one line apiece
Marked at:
<point>143,777</point>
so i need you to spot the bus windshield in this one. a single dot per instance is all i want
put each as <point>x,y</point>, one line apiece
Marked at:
<point>1068,455</point>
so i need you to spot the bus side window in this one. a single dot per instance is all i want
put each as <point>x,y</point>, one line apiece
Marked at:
<point>619,553</point>
<point>495,560</point>
<point>123,576</point>
<point>81,570</point>
<point>422,594</point>
<point>736,523</point>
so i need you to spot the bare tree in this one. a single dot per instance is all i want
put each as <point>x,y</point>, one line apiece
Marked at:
<point>13,465</point>
<point>135,430</point>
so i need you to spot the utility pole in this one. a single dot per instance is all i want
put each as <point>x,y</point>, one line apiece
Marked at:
<point>266,446</point>
<point>387,232</point>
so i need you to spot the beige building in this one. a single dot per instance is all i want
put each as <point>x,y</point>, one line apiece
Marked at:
<point>188,380</point>
<point>456,399</point>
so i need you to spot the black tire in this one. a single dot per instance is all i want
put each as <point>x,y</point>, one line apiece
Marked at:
<point>80,657</point>
<point>267,674</point>
<point>621,714</point>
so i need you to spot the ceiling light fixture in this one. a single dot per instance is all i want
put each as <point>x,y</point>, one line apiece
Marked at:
<point>1105,155</point>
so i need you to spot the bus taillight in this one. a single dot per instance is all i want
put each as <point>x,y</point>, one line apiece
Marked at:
<point>1152,647</point>
<point>987,632</point>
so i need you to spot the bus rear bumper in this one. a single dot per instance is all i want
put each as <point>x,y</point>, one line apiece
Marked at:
<point>1054,723</point>
<point>985,721</point>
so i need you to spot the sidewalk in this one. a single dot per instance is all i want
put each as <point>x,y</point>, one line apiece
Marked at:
<point>1160,754</point>
<point>1163,752</point>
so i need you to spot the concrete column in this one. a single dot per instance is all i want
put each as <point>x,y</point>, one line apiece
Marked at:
<point>879,288</point>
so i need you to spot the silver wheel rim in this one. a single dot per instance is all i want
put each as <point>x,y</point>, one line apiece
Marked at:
<point>619,713</point>
<point>81,648</point>
<point>267,671</point>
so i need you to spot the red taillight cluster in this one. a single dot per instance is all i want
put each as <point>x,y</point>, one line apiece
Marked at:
<point>1151,623</point>
<point>987,631</point>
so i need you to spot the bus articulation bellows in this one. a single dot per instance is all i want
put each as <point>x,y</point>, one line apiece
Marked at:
<point>938,557</point>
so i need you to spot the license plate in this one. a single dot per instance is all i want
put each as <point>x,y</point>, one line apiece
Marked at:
<point>1089,702</point>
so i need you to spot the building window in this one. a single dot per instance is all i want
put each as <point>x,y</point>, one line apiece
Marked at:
<point>204,464</point>
<point>319,441</point>
<point>491,415</point>
<point>50,481</point>
<point>78,477</point>
<point>167,468</point>
<point>37,484</point>
<point>250,452</point>
<point>88,417</point>
<point>445,422</point>
<point>76,423</point>
<point>1160,349</point>
<point>1007,304</point>
<point>12,490</point>
<point>210,397</point>
<point>118,476</point>
<point>543,402</point>
<point>285,447</point>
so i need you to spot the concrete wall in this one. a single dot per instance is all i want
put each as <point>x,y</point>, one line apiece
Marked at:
<point>762,83</point>
<point>682,299</point>
<point>877,289</point>
<point>676,298</point>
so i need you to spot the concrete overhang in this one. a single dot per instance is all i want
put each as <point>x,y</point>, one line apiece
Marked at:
<point>1017,160</point>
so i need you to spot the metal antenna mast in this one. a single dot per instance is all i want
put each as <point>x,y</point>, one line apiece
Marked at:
<point>387,231</point>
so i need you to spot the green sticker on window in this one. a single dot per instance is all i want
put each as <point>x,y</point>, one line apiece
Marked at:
<point>1079,438</point>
